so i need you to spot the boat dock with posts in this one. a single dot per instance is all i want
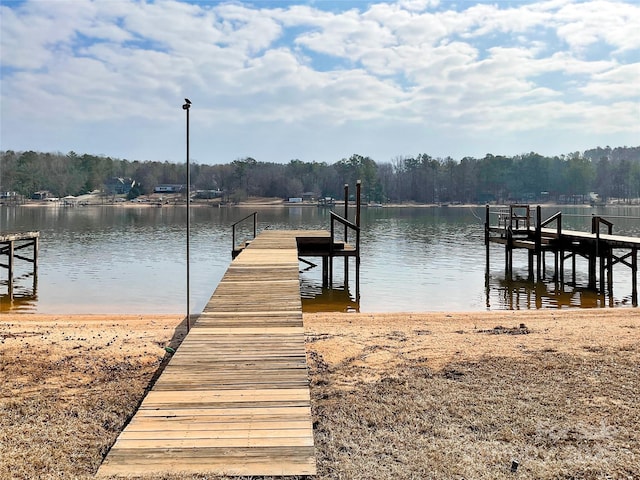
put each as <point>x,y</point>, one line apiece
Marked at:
<point>326,245</point>
<point>516,228</point>
<point>10,244</point>
<point>234,399</point>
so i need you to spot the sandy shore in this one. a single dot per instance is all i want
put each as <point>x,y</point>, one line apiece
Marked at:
<point>416,395</point>
<point>434,340</point>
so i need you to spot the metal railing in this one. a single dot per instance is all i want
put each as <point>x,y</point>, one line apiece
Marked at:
<point>516,217</point>
<point>233,229</point>
<point>347,225</point>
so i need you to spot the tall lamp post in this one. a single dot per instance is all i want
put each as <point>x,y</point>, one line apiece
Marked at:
<point>185,107</point>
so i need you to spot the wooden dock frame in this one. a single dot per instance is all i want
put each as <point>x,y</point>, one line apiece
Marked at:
<point>10,243</point>
<point>515,230</point>
<point>320,244</point>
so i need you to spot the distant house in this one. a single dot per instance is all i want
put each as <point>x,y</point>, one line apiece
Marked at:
<point>119,185</point>
<point>326,202</point>
<point>168,188</point>
<point>309,197</point>
<point>41,195</point>
<point>208,194</point>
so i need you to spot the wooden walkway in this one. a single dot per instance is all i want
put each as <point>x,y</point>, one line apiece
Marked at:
<point>234,399</point>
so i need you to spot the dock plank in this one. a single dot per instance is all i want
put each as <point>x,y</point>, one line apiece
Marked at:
<point>234,399</point>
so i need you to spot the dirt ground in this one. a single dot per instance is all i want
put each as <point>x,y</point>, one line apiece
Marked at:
<point>378,343</point>
<point>416,395</point>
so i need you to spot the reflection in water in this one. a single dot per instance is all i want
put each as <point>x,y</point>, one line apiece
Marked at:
<point>520,294</point>
<point>318,299</point>
<point>338,298</point>
<point>22,296</point>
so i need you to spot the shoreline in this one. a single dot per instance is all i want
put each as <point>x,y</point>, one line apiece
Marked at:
<point>280,203</point>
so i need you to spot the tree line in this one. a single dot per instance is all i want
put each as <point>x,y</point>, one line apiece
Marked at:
<point>610,172</point>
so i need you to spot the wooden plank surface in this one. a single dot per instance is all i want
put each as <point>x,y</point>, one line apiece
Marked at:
<point>13,237</point>
<point>616,241</point>
<point>234,399</point>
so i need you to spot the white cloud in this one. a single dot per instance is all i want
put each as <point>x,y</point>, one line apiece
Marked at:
<point>417,5</point>
<point>407,67</point>
<point>584,24</point>
<point>620,82</point>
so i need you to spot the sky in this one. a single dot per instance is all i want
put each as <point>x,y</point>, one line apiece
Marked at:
<point>318,80</point>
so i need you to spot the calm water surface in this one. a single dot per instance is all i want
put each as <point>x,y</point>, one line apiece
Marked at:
<point>132,260</point>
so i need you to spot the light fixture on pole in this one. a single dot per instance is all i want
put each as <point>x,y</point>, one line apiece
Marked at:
<point>186,107</point>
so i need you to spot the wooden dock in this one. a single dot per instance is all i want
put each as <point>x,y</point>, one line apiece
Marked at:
<point>234,399</point>
<point>320,243</point>
<point>10,244</point>
<point>517,229</point>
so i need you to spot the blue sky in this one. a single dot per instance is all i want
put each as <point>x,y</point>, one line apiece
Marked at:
<point>318,80</point>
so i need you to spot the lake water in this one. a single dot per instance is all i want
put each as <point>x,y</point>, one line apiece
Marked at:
<point>115,259</point>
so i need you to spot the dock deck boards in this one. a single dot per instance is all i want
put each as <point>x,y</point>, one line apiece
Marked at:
<point>234,399</point>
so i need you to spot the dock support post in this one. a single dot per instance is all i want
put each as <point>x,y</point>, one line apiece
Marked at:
<point>487,240</point>
<point>508,252</point>
<point>506,258</point>
<point>330,285</point>
<point>346,209</point>
<point>325,272</point>
<point>486,224</point>
<point>35,255</point>
<point>346,233</point>
<point>634,277</point>
<point>592,267</point>
<point>603,260</point>
<point>346,272</point>
<point>10,265</point>
<point>358,278</point>
<point>610,272</point>
<point>358,208</point>
<point>358,201</point>
<point>593,253</point>
<point>486,237</point>
<point>538,249</point>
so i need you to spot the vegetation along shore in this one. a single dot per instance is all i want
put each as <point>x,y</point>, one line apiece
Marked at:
<point>606,173</point>
<point>545,394</point>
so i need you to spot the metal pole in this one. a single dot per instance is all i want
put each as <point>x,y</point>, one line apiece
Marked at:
<point>346,209</point>
<point>186,107</point>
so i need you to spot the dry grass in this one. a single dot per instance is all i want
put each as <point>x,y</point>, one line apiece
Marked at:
<point>68,387</point>
<point>464,395</point>
<point>394,396</point>
<point>472,420</point>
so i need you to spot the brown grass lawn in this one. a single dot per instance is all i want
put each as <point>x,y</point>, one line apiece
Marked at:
<point>394,396</point>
